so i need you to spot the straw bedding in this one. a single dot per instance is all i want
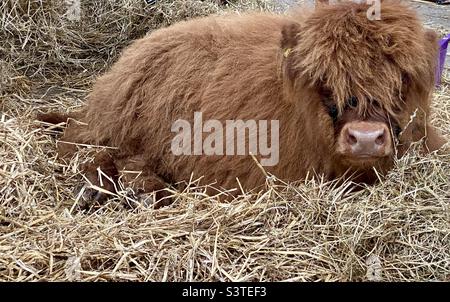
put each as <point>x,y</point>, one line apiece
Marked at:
<point>397,230</point>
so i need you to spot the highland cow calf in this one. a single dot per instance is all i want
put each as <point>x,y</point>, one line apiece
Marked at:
<point>348,94</point>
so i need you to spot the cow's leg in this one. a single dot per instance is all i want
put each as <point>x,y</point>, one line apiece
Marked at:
<point>101,172</point>
<point>434,140</point>
<point>74,133</point>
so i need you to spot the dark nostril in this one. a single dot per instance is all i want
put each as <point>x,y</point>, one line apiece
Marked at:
<point>352,140</point>
<point>380,139</point>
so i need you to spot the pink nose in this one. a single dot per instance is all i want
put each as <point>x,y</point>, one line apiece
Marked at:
<point>365,139</point>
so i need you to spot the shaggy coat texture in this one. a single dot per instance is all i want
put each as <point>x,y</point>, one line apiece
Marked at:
<point>300,69</point>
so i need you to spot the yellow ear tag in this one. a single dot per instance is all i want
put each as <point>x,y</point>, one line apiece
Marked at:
<point>287,51</point>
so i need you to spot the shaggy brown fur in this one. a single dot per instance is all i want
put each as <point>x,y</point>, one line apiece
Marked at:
<point>240,67</point>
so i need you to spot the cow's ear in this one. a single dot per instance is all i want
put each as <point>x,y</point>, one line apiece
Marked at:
<point>289,36</point>
<point>431,37</point>
<point>434,140</point>
<point>432,52</point>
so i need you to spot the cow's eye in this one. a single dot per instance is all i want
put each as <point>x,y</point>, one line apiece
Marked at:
<point>328,103</point>
<point>397,130</point>
<point>352,101</point>
<point>333,112</point>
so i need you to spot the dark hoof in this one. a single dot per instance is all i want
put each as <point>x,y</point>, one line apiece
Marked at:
<point>93,195</point>
<point>89,196</point>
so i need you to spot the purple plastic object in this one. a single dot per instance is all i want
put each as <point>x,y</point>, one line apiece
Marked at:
<point>443,44</point>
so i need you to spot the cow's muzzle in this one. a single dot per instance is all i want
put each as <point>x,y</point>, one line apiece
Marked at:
<point>362,140</point>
